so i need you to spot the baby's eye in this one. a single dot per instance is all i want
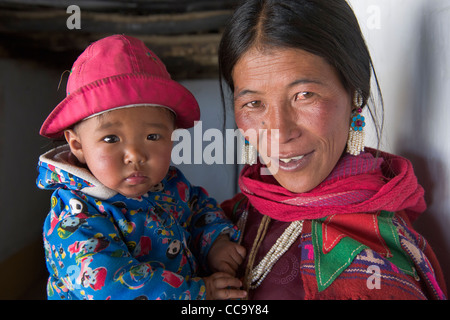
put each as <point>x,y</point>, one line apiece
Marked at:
<point>153,136</point>
<point>253,104</point>
<point>303,95</point>
<point>111,139</point>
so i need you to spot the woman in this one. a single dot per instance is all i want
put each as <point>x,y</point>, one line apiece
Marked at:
<point>332,220</point>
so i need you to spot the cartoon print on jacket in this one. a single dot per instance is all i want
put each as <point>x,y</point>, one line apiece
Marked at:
<point>102,245</point>
<point>88,247</point>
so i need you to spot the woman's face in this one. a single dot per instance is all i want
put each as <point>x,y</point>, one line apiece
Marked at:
<point>301,95</point>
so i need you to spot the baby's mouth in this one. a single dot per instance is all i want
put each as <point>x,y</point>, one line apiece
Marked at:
<point>136,178</point>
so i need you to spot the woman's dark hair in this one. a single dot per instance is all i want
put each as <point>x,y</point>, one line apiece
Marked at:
<point>326,28</point>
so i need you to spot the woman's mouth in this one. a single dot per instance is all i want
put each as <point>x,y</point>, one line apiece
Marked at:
<point>287,160</point>
<point>292,163</point>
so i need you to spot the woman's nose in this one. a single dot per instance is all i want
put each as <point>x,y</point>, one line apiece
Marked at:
<point>282,117</point>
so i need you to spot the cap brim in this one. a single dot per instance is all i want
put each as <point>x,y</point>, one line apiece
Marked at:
<point>122,90</point>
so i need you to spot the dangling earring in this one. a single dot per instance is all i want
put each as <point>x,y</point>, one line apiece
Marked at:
<point>249,154</point>
<point>355,143</point>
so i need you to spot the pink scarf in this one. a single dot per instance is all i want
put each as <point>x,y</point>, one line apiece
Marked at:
<point>356,185</point>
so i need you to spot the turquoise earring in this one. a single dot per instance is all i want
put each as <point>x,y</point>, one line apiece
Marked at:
<point>356,136</point>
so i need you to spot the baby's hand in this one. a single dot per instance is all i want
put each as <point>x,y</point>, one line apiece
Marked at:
<point>225,255</point>
<point>222,286</point>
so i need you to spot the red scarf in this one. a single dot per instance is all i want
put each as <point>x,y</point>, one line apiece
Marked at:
<point>356,185</point>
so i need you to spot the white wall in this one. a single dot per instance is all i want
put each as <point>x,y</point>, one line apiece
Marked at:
<point>410,45</point>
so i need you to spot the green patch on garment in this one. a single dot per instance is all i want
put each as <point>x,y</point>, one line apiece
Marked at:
<point>389,232</point>
<point>329,266</point>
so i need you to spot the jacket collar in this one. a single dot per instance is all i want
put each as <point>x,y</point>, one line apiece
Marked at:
<point>59,165</point>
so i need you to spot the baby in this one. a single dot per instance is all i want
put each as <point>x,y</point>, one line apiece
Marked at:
<point>123,223</point>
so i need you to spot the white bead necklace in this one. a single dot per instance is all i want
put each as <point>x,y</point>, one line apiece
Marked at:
<point>283,243</point>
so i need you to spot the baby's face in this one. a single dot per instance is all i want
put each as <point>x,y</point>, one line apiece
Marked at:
<point>128,150</point>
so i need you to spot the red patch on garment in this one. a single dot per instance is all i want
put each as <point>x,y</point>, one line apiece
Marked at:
<point>172,279</point>
<point>362,227</point>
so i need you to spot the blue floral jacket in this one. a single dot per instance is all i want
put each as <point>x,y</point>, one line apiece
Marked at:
<point>102,245</point>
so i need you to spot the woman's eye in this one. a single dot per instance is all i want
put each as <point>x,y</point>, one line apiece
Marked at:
<point>111,139</point>
<point>153,137</point>
<point>303,95</point>
<point>253,104</point>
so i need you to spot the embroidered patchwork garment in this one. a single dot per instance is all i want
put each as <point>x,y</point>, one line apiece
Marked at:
<point>379,248</point>
<point>357,240</point>
<point>102,245</point>
<point>340,258</point>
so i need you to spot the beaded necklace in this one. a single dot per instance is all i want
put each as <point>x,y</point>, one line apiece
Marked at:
<point>255,276</point>
<point>283,243</point>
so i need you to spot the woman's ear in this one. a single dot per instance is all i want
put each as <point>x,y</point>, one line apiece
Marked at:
<point>74,141</point>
